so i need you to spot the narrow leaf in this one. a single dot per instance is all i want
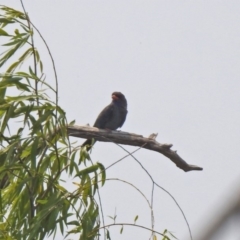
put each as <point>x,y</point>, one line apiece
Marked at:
<point>121,230</point>
<point>34,153</point>
<point>135,219</point>
<point>103,172</point>
<point>87,170</point>
<point>5,20</point>
<point>3,33</point>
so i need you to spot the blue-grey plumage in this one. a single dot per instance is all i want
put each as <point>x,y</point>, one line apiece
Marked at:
<point>112,116</point>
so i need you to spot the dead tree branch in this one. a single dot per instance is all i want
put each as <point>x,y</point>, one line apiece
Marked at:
<point>133,140</point>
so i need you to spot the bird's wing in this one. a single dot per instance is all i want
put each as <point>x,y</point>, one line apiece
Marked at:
<point>104,117</point>
<point>124,115</point>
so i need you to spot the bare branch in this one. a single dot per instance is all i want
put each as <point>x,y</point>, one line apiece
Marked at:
<point>133,140</point>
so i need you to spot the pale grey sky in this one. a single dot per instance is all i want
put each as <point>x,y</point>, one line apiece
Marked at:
<point>177,62</point>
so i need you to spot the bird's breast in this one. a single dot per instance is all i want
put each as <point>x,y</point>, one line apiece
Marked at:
<point>118,116</point>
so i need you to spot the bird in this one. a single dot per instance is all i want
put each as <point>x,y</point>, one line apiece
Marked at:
<point>111,117</point>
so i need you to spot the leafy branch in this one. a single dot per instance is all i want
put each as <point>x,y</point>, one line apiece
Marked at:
<point>35,147</point>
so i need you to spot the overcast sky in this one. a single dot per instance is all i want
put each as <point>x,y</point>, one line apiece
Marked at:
<point>178,64</point>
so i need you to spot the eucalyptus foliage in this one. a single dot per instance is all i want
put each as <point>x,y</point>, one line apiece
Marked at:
<point>35,152</point>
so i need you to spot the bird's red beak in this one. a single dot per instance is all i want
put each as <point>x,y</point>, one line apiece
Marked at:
<point>114,97</point>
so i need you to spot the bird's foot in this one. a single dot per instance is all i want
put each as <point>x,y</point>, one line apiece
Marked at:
<point>107,129</point>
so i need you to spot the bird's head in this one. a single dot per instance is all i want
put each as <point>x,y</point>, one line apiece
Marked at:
<point>119,98</point>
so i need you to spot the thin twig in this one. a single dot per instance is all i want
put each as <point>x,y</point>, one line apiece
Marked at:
<point>117,179</point>
<point>53,63</point>
<point>189,229</point>
<point>129,154</point>
<point>129,224</point>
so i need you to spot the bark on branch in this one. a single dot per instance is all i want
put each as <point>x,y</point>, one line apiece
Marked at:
<point>133,140</point>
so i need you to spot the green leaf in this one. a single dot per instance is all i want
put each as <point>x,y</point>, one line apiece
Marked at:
<point>87,170</point>
<point>121,230</point>
<point>95,182</point>
<point>13,67</point>
<point>60,188</point>
<point>73,164</point>
<point>76,223</point>
<point>12,51</point>
<point>22,98</point>
<point>42,201</point>
<point>41,66</point>
<point>5,20</point>
<point>37,125</point>
<point>14,42</point>
<point>23,74</point>
<point>103,172</point>
<point>108,235</point>
<point>71,123</point>
<point>10,81</point>
<point>3,33</point>
<point>61,227</point>
<point>22,86</point>
<point>8,115</point>
<point>31,72</point>
<point>135,219</point>
<point>26,54</point>
<point>86,183</point>
<point>34,153</point>
<point>37,55</point>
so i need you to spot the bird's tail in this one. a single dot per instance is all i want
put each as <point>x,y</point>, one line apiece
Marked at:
<point>88,143</point>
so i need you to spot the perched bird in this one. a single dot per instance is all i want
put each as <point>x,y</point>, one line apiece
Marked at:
<point>112,116</point>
